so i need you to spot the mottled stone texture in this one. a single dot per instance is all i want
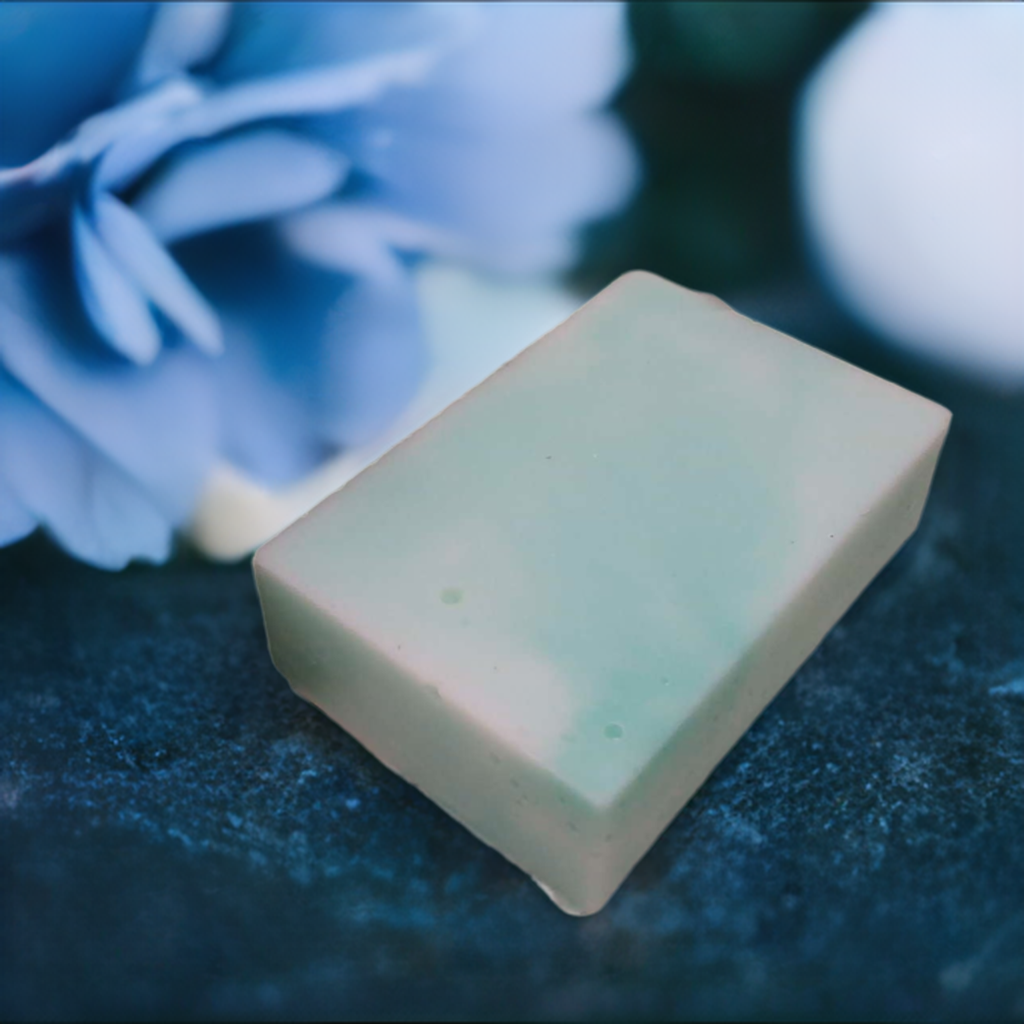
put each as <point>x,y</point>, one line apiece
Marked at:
<point>180,836</point>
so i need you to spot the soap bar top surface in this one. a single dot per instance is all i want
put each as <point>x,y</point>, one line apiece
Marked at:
<point>577,550</point>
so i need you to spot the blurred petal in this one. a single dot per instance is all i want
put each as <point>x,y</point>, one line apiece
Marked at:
<point>26,205</point>
<point>308,92</point>
<point>136,115</point>
<point>535,61</point>
<point>59,62</point>
<point>500,151</point>
<point>375,360</point>
<point>157,423</point>
<point>269,380</point>
<point>244,178</point>
<point>515,194</point>
<point>283,60</point>
<point>327,89</point>
<point>312,359</point>
<point>267,427</point>
<point>15,520</point>
<point>40,189</point>
<point>149,265</point>
<point>359,238</point>
<point>277,40</point>
<point>115,305</point>
<point>92,508</point>
<point>183,34</point>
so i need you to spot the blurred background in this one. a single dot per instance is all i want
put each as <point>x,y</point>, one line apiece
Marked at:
<point>246,248</point>
<point>712,106</point>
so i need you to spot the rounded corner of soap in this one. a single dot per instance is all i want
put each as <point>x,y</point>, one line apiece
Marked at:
<point>268,570</point>
<point>260,561</point>
<point>568,907</point>
<point>267,555</point>
<point>638,276</point>
<point>648,279</point>
<point>939,422</point>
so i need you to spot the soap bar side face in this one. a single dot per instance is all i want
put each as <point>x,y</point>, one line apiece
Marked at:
<point>592,550</point>
<point>678,770</point>
<point>508,802</point>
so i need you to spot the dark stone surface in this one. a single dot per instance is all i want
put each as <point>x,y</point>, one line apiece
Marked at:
<point>182,837</point>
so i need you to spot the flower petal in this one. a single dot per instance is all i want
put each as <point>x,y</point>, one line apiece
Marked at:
<point>275,40</point>
<point>142,258</point>
<point>514,194</point>
<point>115,305</point>
<point>360,238</point>
<point>312,360</point>
<point>534,62</point>
<point>15,520</point>
<point>325,89</point>
<point>122,137</point>
<point>376,359</point>
<point>269,380</point>
<point>58,63</point>
<point>183,34</point>
<point>92,508</point>
<point>244,178</point>
<point>283,60</point>
<point>158,423</point>
<point>502,149</point>
<point>309,92</point>
<point>269,427</point>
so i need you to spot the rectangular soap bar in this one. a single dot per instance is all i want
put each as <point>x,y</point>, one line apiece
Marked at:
<point>556,606</point>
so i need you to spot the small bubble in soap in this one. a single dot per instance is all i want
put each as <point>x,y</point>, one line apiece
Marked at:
<point>613,731</point>
<point>451,595</point>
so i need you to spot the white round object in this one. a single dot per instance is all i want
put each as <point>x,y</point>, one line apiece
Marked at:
<point>911,159</point>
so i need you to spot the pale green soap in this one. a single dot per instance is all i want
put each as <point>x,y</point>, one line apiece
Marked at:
<point>556,606</point>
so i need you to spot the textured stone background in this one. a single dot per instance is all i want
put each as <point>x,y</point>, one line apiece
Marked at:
<point>181,837</point>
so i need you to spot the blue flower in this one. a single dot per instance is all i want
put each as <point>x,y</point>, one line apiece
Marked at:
<point>208,215</point>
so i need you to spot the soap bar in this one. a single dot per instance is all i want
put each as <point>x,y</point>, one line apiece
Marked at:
<point>557,605</point>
